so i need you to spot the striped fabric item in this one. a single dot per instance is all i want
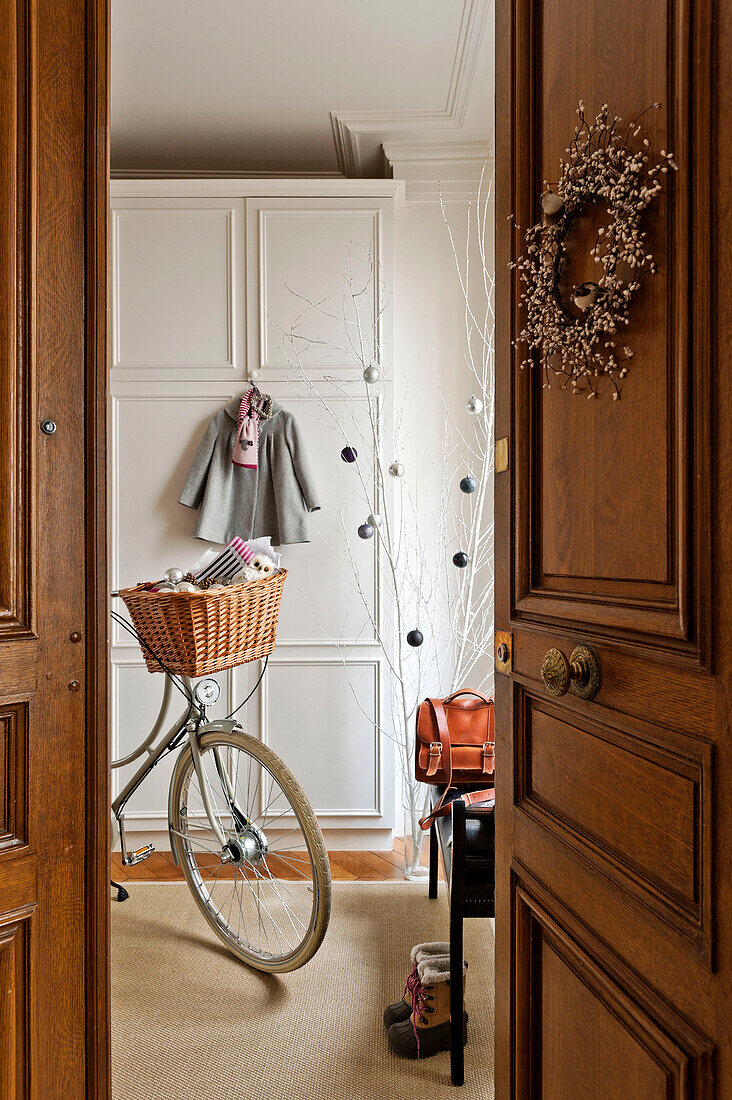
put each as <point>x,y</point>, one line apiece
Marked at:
<point>246,448</point>
<point>232,559</point>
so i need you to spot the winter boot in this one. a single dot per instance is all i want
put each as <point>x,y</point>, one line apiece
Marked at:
<point>402,1010</point>
<point>427,1030</point>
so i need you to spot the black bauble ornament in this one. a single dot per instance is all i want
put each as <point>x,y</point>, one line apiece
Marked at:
<point>414,637</point>
<point>349,454</point>
<point>460,559</point>
<point>468,484</point>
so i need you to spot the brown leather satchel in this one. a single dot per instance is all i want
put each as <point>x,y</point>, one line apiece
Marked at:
<point>455,739</point>
<point>455,742</point>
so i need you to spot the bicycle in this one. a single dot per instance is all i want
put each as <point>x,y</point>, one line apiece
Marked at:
<point>241,829</point>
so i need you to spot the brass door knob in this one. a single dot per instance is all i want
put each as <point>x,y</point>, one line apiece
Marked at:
<point>581,672</point>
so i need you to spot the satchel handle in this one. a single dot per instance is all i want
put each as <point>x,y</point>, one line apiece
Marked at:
<point>468,691</point>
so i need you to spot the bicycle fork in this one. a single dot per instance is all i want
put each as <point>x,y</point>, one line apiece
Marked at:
<point>203,781</point>
<point>241,821</point>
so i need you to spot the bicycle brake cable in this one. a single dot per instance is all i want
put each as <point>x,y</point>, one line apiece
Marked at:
<point>182,688</point>
<point>261,677</point>
<point>172,676</point>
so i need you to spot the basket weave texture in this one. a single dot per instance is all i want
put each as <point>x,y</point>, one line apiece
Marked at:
<point>195,633</point>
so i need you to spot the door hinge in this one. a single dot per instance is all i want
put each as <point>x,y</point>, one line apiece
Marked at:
<point>503,649</point>
<point>502,455</point>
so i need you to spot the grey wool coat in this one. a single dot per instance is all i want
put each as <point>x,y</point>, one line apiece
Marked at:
<point>272,500</point>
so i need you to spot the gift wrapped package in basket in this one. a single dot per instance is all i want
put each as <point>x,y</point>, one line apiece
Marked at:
<point>197,633</point>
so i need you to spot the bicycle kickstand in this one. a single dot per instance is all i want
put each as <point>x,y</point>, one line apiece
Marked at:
<point>122,894</point>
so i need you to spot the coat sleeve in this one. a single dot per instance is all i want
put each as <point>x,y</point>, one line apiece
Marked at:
<point>301,466</point>
<point>192,492</point>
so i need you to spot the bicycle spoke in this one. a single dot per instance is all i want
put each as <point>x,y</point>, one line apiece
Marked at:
<point>287,860</point>
<point>260,894</point>
<point>288,911</point>
<point>266,909</point>
<point>214,845</point>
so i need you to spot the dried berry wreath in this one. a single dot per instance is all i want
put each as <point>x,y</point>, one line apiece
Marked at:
<point>601,168</point>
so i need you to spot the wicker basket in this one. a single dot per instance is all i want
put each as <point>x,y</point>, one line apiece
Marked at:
<point>195,633</point>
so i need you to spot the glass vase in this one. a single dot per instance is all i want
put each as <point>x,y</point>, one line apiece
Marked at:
<point>416,848</point>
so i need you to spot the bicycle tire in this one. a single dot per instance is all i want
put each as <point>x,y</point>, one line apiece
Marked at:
<point>183,775</point>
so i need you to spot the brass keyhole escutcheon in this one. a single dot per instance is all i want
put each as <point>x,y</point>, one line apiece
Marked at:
<point>581,672</point>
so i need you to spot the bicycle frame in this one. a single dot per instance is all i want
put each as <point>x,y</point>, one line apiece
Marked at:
<point>192,720</point>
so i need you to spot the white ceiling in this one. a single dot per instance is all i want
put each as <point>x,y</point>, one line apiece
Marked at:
<point>301,86</point>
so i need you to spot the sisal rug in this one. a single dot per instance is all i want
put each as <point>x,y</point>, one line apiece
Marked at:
<point>191,1022</point>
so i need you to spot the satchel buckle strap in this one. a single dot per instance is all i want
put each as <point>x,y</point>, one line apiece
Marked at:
<point>489,754</point>
<point>435,756</point>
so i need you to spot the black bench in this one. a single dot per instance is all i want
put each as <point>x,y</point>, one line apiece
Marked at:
<point>465,838</point>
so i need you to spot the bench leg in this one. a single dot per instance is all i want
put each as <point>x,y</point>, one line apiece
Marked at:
<point>433,862</point>
<point>457,1056</point>
<point>457,901</point>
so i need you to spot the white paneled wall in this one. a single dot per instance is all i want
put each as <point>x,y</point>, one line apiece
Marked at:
<point>335,235</point>
<point>192,265</point>
<point>203,275</point>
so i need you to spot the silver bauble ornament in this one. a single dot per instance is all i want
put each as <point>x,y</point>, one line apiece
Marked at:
<point>396,469</point>
<point>375,519</point>
<point>185,586</point>
<point>474,404</point>
<point>174,575</point>
<point>365,531</point>
<point>468,484</point>
<point>164,586</point>
<point>371,374</point>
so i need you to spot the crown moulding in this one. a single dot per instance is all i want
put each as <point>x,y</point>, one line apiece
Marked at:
<point>449,172</point>
<point>359,135</point>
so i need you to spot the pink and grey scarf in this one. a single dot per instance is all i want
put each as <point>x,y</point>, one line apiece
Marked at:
<point>246,440</point>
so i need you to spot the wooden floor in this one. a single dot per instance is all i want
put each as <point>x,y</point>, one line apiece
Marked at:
<point>344,866</point>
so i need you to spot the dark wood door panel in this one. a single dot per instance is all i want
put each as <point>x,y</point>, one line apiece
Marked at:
<point>587,1029</point>
<point>605,490</point>
<point>13,775</point>
<point>635,680</point>
<point>15,991</point>
<point>665,961</point>
<point>590,527</point>
<point>18,935</point>
<point>573,1016</point>
<point>633,800</point>
<point>16,322</point>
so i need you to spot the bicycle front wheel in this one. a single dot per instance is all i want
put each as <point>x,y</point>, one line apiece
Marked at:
<point>266,892</point>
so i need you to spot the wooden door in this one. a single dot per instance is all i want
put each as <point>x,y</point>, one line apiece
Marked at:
<point>53,896</point>
<point>614,833</point>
